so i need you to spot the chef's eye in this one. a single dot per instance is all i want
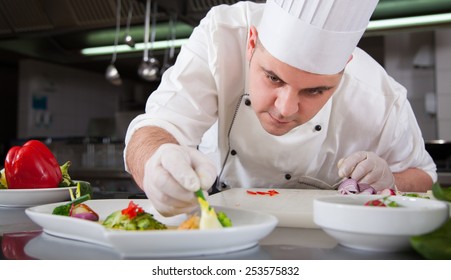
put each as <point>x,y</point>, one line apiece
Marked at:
<point>272,78</point>
<point>315,91</point>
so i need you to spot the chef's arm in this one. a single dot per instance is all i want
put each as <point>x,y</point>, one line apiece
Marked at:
<point>143,143</point>
<point>413,180</point>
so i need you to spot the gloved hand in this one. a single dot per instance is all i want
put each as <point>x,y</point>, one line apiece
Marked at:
<point>173,174</point>
<point>367,167</point>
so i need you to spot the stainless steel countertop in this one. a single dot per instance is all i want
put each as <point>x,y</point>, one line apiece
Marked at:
<point>283,243</point>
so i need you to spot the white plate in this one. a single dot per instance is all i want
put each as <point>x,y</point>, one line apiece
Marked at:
<point>384,229</point>
<point>33,197</point>
<point>248,228</point>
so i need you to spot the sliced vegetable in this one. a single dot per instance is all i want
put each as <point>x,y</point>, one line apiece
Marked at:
<point>64,210</point>
<point>351,186</point>
<point>132,210</point>
<point>133,218</point>
<point>269,192</point>
<point>366,188</point>
<point>83,211</point>
<point>387,192</point>
<point>348,186</point>
<point>415,195</point>
<point>208,217</point>
<point>32,166</point>
<point>224,219</point>
<point>382,202</point>
<point>376,202</point>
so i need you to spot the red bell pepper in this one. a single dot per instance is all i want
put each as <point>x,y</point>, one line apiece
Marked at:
<point>32,166</point>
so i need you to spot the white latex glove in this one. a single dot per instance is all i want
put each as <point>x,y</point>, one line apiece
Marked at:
<point>367,167</point>
<point>173,174</point>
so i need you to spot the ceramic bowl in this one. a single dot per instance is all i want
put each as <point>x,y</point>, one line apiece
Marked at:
<point>384,229</point>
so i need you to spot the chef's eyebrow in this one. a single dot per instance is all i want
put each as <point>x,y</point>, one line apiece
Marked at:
<point>316,89</point>
<point>271,73</point>
<point>313,89</point>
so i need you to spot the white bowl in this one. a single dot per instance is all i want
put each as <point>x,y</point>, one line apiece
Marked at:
<point>384,229</point>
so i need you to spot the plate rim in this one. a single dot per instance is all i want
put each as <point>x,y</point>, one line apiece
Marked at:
<point>32,201</point>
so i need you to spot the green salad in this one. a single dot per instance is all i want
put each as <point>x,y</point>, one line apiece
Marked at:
<point>132,218</point>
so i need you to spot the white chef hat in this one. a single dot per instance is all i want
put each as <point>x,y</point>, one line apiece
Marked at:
<point>316,36</point>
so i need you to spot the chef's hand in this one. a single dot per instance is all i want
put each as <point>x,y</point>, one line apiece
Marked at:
<point>173,174</point>
<point>367,167</point>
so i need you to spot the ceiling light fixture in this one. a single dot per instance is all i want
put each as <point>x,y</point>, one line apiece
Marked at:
<point>408,22</point>
<point>157,45</point>
<point>373,27</point>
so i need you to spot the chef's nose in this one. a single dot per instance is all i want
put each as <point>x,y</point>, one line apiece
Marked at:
<point>287,103</point>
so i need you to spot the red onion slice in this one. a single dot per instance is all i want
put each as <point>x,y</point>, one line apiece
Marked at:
<point>366,189</point>
<point>83,211</point>
<point>87,216</point>
<point>348,186</point>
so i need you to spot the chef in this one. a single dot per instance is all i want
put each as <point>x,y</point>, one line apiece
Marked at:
<point>276,95</point>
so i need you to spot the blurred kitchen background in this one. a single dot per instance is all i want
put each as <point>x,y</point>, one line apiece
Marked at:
<point>54,56</point>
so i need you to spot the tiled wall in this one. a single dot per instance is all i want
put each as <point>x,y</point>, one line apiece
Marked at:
<point>400,51</point>
<point>443,81</point>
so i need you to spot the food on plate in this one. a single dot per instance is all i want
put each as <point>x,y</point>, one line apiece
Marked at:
<point>83,187</point>
<point>191,223</point>
<point>209,219</point>
<point>3,184</point>
<point>65,209</point>
<point>32,166</point>
<point>83,211</point>
<point>436,244</point>
<point>133,218</point>
<point>382,202</point>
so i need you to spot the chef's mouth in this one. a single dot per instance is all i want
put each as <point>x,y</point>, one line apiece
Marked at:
<point>279,120</point>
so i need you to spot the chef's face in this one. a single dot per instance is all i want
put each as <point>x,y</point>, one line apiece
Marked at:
<point>284,97</point>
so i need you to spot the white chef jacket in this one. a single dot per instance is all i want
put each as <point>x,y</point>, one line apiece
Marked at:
<point>202,101</point>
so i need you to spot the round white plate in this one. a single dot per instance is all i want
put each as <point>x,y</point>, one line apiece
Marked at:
<point>33,197</point>
<point>384,229</point>
<point>248,228</point>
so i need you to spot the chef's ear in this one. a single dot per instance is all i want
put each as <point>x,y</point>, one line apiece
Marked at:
<point>252,42</point>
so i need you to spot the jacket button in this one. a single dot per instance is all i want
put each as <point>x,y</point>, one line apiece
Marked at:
<point>317,127</point>
<point>247,102</point>
<point>233,152</point>
<point>287,176</point>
